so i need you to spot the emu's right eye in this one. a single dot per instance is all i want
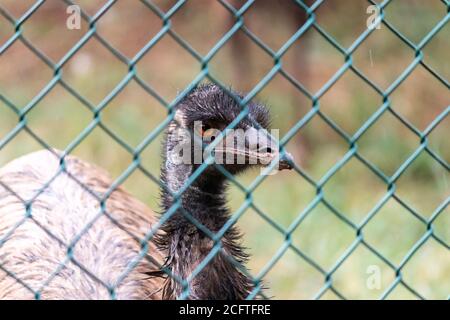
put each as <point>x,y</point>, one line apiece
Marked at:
<point>209,133</point>
<point>205,127</point>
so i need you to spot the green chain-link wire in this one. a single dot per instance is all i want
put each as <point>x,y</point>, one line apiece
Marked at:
<point>277,69</point>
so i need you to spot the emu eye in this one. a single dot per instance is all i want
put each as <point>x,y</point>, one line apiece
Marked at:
<point>206,130</point>
<point>205,127</point>
<point>209,132</point>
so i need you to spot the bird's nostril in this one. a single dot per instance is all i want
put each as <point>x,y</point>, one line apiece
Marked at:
<point>266,150</point>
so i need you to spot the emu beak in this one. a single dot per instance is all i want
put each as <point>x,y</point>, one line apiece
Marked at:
<point>286,162</point>
<point>267,149</point>
<point>255,147</point>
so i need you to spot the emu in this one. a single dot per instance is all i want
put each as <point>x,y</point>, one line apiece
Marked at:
<point>65,235</point>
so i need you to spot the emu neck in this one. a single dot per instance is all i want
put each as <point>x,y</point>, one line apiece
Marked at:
<point>187,246</point>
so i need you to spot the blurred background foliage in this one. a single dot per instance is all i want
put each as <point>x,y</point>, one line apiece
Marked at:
<point>354,190</point>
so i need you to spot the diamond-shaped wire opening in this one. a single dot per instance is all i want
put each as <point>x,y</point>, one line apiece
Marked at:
<point>287,105</point>
<point>393,224</point>
<point>53,42</point>
<point>354,190</point>
<point>350,95</point>
<point>51,115</point>
<point>324,60</point>
<point>363,275</point>
<point>94,60</point>
<point>382,50</point>
<point>261,249</point>
<point>240,58</point>
<point>430,188</point>
<point>388,143</point>
<point>155,65</point>
<point>421,90</point>
<point>323,236</point>
<point>124,19</point>
<point>31,73</point>
<point>102,149</point>
<point>324,150</point>
<point>282,204</point>
<point>144,188</point>
<point>132,114</point>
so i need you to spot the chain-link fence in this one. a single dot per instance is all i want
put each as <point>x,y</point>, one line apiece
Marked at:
<point>310,10</point>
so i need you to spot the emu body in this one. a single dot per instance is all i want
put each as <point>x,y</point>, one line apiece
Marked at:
<point>38,239</point>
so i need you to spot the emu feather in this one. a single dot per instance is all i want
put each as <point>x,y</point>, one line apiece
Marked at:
<point>35,248</point>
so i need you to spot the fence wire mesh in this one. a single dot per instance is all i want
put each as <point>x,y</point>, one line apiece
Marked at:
<point>352,140</point>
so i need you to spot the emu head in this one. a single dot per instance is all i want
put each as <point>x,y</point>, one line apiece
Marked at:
<point>206,129</point>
